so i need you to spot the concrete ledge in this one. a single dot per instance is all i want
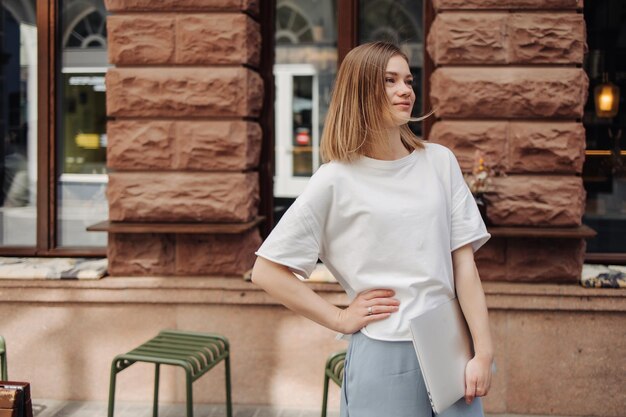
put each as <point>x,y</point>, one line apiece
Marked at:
<point>150,290</point>
<point>556,345</point>
<point>233,290</point>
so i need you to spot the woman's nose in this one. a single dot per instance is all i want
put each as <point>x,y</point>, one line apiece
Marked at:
<point>405,90</point>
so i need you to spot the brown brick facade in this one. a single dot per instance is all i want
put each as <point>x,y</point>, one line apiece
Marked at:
<point>186,95</point>
<point>184,101</point>
<point>508,83</point>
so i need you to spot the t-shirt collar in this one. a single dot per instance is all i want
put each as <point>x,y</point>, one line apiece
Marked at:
<point>386,164</point>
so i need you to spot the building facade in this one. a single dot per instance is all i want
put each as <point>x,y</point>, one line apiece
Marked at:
<point>214,109</point>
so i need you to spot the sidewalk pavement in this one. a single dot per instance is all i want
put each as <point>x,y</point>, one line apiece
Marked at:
<point>56,408</point>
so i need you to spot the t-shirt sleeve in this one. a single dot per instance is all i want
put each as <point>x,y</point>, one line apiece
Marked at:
<point>466,223</point>
<point>295,241</point>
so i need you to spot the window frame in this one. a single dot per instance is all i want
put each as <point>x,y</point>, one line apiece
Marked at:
<point>48,68</point>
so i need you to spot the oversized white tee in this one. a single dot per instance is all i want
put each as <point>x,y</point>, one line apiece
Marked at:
<point>383,224</point>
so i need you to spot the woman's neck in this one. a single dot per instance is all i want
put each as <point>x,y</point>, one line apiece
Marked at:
<point>395,148</point>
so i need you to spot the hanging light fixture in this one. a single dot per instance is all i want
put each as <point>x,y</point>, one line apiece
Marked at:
<point>607,98</point>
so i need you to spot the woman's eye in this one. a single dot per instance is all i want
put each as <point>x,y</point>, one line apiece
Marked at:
<point>389,80</point>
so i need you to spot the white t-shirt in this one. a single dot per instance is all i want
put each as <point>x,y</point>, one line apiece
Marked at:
<point>383,224</point>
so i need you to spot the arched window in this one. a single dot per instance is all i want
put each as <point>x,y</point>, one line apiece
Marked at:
<point>388,20</point>
<point>292,26</point>
<point>87,31</point>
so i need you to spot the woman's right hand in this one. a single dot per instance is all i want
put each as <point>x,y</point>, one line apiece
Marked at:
<point>369,306</point>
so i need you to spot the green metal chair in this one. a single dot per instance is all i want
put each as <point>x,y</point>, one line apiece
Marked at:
<point>334,370</point>
<point>3,359</point>
<point>196,353</point>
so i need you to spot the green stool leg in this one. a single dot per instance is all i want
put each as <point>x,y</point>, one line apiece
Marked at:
<point>112,388</point>
<point>189,393</point>
<point>229,403</point>
<point>325,398</point>
<point>155,407</point>
<point>3,357</point>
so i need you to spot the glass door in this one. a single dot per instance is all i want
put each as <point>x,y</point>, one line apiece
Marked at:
<point>297,131</point>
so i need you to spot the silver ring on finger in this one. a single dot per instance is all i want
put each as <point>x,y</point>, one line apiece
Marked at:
<point>369,311</point>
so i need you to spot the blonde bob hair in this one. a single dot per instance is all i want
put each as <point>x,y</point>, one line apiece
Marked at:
<point>360,112</point>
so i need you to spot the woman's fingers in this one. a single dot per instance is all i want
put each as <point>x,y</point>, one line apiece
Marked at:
<point>382,302</point>
<point>381,309</point>
<point>376,317</point>
<point>377,293</point>
<point>470,390</point>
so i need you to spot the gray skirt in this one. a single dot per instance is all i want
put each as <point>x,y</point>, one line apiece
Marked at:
<point>384,379</point>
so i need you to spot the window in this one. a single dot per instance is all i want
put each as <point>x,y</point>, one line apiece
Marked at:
<point>304,70</point>
<point>18,105</point>
<point>53,124</point>
<point>400,22</point>
<point>604,172</point>
<point>81,136</point>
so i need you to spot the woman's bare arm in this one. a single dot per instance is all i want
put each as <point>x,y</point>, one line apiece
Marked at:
<point>279,282</point>
<point>472,300</point>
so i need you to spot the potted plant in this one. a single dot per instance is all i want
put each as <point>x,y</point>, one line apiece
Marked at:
<point>478,182</point>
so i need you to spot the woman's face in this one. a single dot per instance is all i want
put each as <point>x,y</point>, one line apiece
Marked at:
<point>399,86</point>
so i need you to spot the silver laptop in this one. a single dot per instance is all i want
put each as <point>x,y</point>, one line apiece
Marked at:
<point>443,345</point>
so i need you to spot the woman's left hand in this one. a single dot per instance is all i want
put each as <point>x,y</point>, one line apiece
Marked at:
<point>477,377</point>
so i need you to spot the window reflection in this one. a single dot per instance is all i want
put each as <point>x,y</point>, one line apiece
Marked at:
<point>82,123</point>
<point>302,126</point>
<point>399,22</point>
<point>305,68</point>
<point>604,171</point>
<point>18,108</point>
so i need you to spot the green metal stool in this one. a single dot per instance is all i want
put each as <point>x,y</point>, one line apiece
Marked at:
<point>3,359</point>
<point>334,370</point>
<point>196,353</point>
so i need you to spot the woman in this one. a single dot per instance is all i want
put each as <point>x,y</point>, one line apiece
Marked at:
<point>392,218</point>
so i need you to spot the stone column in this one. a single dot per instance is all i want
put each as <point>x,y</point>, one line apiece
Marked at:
<point>508,82</point>
<point>183,136</point>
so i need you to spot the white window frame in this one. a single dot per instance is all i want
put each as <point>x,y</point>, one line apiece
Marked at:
<point>285,184</point>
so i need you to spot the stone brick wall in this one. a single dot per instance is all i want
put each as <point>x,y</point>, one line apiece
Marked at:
<point>183,101</point>
<point>508,83</point>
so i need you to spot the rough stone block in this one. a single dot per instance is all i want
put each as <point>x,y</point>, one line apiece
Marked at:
<point>140,254</point>
<point>523,200</point>
<point>182,5</point>
<point>514,147</point>
<point>140,144</point>
<point>505,92</point>
<point>181,197</point>
<point>468,38</point>
<point>140,39</point>
<point>491,260</point>
<point>465,138</point>
<point>225,254</point>
<point>183,92</point>
<point>557,147</point>
<point>225,146</point>
<point>546,38</point>
<point>531,260</point>
<point>508,4</point>
<point>504,38</point>
<point>194,145</point>
<point>544,260</point>
<point>217,39</point>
